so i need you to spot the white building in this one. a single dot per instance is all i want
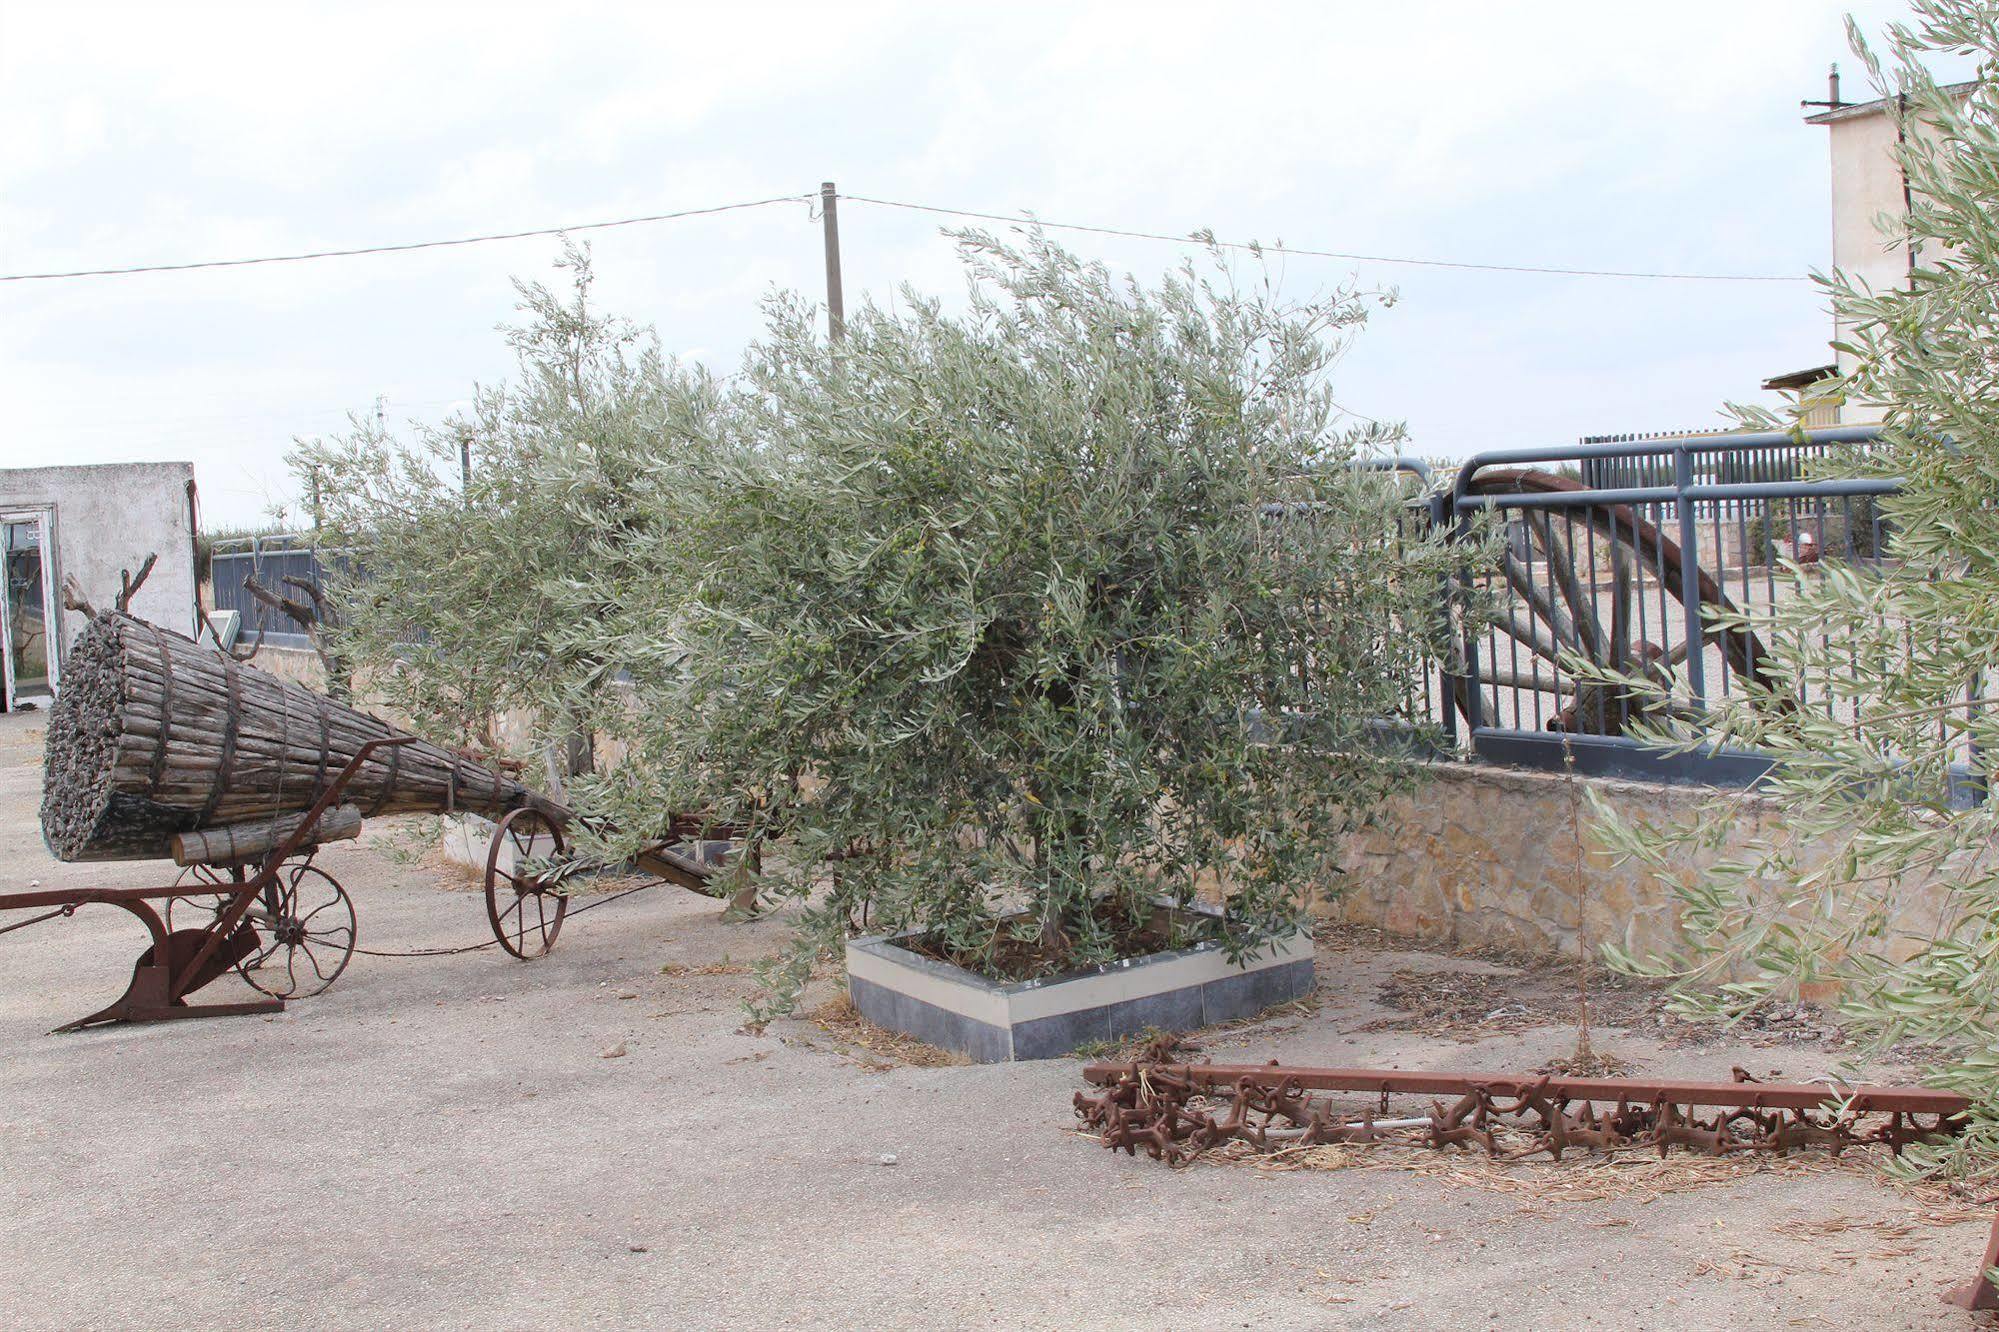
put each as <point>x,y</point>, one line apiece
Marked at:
<point>1870,197</point>
<point>93,525</point>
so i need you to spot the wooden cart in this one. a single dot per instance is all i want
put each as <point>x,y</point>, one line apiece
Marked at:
<point>529,866</point>
<point>250,900</point>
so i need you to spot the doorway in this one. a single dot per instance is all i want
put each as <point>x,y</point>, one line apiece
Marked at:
<point>28,623</point>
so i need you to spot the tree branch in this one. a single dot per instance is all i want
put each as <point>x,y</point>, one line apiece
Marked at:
<point>73,598</point>
<point>312,616</point>
<point>130,585</point>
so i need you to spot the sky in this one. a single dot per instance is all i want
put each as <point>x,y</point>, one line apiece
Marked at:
<point>1655,138</point>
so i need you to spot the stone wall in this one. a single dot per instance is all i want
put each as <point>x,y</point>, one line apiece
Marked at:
<point>1485,857</point>
<point>299,665</point>
<point>1479,857</point>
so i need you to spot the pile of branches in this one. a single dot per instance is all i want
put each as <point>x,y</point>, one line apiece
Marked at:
<point>155,735</point>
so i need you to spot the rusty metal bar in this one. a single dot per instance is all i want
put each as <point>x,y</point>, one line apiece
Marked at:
<point>1741,1095</point>
<point>53,897</point>
<point>1980,1294</point>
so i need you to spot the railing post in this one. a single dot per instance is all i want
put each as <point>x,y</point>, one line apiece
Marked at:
<point>1690,574</point>
<point>1440,513</point>
<point>1474,689</point>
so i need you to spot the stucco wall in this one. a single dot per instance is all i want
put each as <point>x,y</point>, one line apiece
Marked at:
<point>299,665</point>
<point>1867,184</point>
<point>108,518</point>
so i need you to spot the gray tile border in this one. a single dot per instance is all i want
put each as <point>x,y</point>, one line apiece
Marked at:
<point>885,1007</point>
<point>990,1021</point>
<point>1173,1010</point>
<point>1055,1036</point>
<point>1250,992</point>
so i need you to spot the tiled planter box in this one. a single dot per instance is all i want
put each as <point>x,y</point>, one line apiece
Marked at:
<point>992,1021</point>
<point>465,839</point>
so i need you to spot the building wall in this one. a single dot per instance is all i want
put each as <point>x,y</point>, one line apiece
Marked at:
<point>1867,185</point>
<point>108,518</point>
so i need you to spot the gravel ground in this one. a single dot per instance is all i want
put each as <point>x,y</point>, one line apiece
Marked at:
<point>440,1142</point>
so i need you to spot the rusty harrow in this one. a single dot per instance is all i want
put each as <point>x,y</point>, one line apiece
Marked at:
<point>1175,1112</point>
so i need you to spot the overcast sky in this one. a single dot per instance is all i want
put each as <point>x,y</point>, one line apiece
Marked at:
<point>1657,137</point>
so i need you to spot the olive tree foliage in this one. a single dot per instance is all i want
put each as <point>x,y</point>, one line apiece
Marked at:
<point>1000,624</point>
<point>996,622</point>
<point>1900,660</point>
<point>463,601</point>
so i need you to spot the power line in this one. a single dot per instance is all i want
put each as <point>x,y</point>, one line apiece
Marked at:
<point>1329,254</point>
<point>395,249</point>
<point>1126,232</point>
<point>274,414</point>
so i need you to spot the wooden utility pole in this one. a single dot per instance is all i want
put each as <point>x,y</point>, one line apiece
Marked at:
<point>829,217</point>
<point>465,467</point>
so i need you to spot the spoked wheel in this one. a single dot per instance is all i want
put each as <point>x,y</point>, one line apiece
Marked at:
<point>305,924</point>
<point>197,912</point>
<point>1578,583</point>
<point>526,909</point>
<point>308,930</point>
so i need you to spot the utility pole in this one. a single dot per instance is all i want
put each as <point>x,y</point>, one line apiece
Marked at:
<point>829,218</point>
<point>465,467</point>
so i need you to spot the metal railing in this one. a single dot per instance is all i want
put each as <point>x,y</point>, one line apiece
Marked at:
<point>1617,553</point>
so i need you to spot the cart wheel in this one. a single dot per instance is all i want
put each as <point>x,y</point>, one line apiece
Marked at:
<point>307,925</point>
<point>526,910</point>
<point>197,912</point>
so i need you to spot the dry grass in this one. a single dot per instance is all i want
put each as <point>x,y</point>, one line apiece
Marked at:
<point>874,1048</point>
<point>1595,1064</point>
<point>723,968</point>
<point>1766,1028</point>
<point>1470,1005</point>
<point>1576,1180</point>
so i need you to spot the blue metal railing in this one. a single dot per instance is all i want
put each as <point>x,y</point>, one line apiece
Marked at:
<point>1615,552</point>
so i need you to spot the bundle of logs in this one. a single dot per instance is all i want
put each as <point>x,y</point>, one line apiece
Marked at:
<point>155,736</point>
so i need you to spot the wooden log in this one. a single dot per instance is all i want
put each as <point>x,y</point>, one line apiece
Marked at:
<point>238,842</point>
<point>154,735</point>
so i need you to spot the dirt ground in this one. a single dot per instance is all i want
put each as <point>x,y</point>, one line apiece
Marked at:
<point>442,1142</point>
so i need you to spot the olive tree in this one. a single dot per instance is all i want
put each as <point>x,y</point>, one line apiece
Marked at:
<point>998,623</point>
<point>467,592</point>
<point>1002,624</point>
<point>1900,658</point>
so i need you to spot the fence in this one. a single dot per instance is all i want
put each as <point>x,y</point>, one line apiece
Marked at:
<point>1614,553</point>
<point>270,560</point>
